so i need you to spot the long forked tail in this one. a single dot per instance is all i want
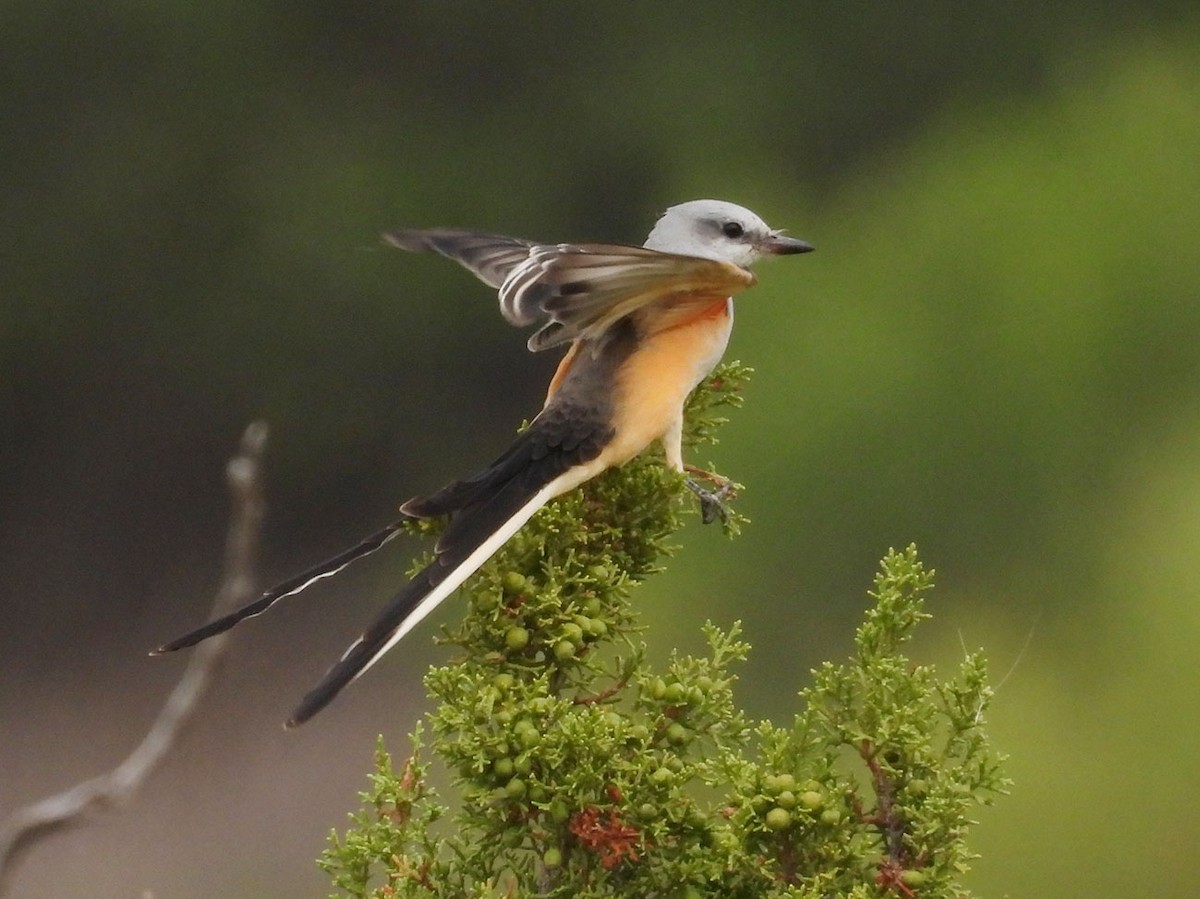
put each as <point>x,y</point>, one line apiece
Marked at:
<point>290,587</point>
<point>466,545</point>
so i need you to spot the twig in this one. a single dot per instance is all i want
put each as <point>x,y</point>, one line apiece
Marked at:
<point>38,820</point>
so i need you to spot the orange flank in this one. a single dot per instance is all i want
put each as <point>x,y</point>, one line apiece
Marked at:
<point>681,347</point>
<point>561,372</point>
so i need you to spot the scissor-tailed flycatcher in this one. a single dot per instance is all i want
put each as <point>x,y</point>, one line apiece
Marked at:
<point>645,325</point>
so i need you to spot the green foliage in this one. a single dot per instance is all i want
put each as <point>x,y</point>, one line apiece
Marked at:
<point>583,772</point>
<point>873,784</point>
<point>393,827</point>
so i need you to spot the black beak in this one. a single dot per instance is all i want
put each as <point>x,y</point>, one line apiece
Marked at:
<point>782,245</point>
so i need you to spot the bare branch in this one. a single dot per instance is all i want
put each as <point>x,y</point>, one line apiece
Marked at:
<point>38,820</point>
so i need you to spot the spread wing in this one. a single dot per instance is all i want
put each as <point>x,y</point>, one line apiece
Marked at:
<point>582,289</point>
<point>487,256</point>
<point>586,289</point>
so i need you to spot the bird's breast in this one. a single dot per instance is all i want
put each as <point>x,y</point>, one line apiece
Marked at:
<point>689,342</point>
<point>673,355</point>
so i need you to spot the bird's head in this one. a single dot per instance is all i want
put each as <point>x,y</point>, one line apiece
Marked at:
<point>714,229</point>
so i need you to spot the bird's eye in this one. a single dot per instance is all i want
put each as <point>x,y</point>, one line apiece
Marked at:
<point>732,229</point>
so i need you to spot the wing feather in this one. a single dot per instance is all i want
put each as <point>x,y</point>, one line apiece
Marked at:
<point>490,257</point>
<point>576,290</point>
<point>585,289</point>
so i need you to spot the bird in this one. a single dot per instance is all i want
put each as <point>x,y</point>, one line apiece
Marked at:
<point>642,327</point>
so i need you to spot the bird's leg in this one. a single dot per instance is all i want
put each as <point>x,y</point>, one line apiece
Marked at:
<point>712,502</point>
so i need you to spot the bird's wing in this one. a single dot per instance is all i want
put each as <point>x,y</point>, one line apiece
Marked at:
<point>585,289</point>
<point>490,257</point>
<point>576,290</point>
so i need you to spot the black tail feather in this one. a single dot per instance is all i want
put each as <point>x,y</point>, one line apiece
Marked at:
<point>291,586</point>
<point>362,652</point>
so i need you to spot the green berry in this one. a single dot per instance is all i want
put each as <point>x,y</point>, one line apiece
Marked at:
<point>830,817</point>
<point>677,734</point>
<point>661,776</point>
<point>514,582</point>
<point>503,681</point>
<point>911,878</point>
<point>559,813</point>
<point>812,800</point>
<point>674,693</point>
<point>564,650</point>
<point>779,819</point>
<point>552,857</point>
<point>503,767</point>
<point>777,783</point>
<point>573,632</point>
<point>515,788</point>
<point>516,638</point>
<point>786,799</point>
<point>528,738</point>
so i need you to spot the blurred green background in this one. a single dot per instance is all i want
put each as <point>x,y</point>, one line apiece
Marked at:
<point>995,353</point>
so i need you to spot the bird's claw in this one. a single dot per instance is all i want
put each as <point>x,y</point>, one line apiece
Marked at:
<point>712,502</point>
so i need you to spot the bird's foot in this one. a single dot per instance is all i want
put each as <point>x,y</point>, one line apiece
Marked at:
<point>712,502</point>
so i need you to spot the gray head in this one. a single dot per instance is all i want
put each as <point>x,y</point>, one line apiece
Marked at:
<point>714,229</point>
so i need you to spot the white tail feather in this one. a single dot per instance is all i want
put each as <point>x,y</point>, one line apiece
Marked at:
<point>472,563</point>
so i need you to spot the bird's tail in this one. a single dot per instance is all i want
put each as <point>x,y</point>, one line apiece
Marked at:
<point>473,537</point>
